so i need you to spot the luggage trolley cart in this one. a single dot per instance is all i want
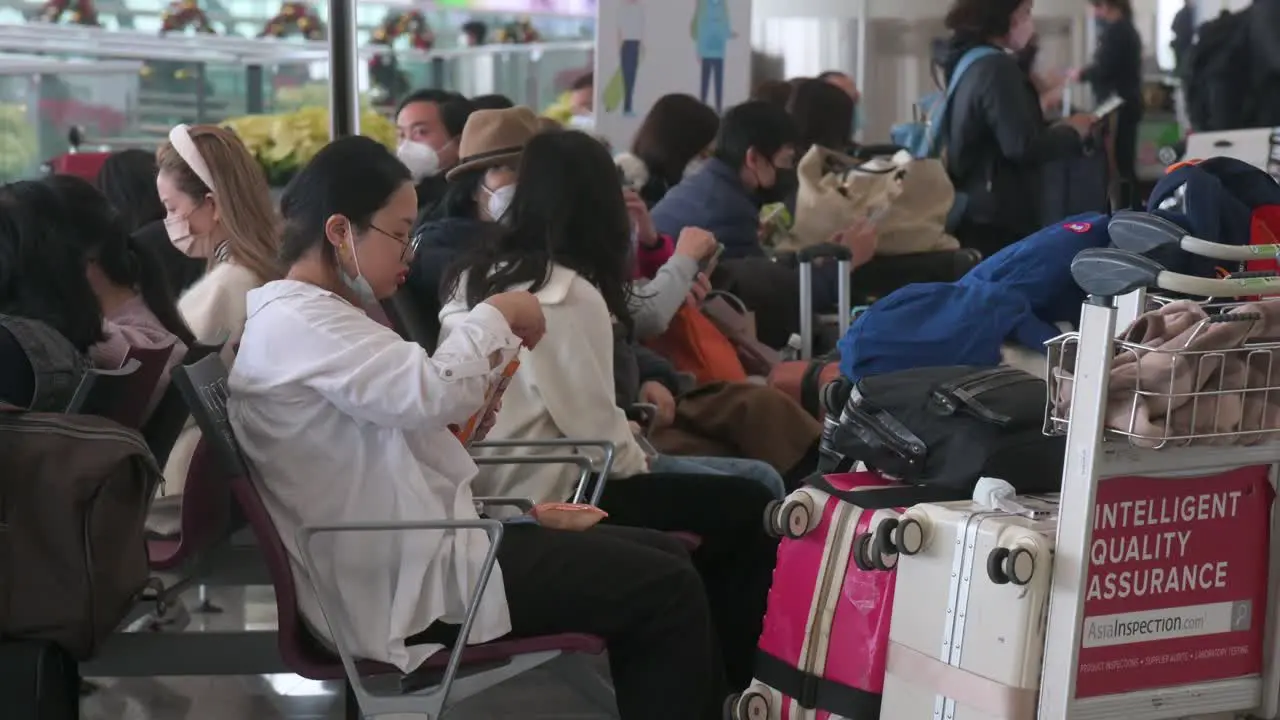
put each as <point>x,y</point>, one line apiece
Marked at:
<point>1205,645</point>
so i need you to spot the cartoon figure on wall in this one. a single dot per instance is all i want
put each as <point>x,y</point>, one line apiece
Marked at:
<point>712,31</point>
<point>622,86</point>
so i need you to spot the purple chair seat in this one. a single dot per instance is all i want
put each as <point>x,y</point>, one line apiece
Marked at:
<point>304,654</point>
<point>205,518</point>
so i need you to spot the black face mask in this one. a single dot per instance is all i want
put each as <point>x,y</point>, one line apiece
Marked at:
<point>785,182</point>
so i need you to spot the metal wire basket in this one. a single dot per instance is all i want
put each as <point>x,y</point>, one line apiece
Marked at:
<point>1163,396</point>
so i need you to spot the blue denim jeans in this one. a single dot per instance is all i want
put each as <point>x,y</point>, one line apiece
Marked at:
<point>757,470</point>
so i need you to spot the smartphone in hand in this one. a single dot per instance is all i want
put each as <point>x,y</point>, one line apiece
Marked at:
<point>710,262</point>
<point>1108,106</point>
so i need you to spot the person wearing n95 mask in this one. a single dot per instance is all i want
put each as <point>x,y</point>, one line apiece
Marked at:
<point>428,126</point>
<point>478,190</point>
<point>420,158</point>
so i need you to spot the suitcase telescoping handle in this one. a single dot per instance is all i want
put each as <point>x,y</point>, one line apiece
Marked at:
<point>844,300</point>
<point>1146,234</point>
<point>1106,273</point>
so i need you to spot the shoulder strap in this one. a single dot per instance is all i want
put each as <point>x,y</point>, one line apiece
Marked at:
<point>937,122</point>
<point>970,56</point>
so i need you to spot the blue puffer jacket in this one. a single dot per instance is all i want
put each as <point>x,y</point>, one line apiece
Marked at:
<point>713,199</point>
<point>1017,294</point>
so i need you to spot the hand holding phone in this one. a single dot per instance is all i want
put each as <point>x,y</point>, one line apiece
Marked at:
<point>1108,106</point>
<point>709,263</point>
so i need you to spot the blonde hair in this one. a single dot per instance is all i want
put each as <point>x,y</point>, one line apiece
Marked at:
<point>244,199</point>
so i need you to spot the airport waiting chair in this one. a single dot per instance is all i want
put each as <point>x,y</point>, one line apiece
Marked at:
<point>446,677</point>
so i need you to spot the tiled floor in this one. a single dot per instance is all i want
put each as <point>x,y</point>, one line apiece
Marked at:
<point>537,695</point>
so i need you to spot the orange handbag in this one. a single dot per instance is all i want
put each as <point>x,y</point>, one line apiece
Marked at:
<point>695,345</point>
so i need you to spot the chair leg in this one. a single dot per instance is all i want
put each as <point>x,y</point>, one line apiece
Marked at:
<point>351,706</point>
<point>206,606</point>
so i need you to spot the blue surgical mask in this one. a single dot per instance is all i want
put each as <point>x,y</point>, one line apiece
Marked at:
<point>358,284</point>
<point>857,120</point>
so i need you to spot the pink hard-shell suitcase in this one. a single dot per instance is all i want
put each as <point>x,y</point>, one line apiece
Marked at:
<point>822,648</point>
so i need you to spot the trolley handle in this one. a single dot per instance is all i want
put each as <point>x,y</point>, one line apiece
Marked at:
<point>1148,234</point>
<point>1106,273</point>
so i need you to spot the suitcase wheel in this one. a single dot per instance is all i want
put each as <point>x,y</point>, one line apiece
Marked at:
<point>884,537</point>
<point>908,537</point>
<point>750,705</point>
<point>862,552</point>
<point>1005,566</point>
<point>789,518</point>
<point>771,519</point>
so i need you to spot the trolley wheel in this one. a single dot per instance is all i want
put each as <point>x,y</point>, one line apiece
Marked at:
<point>996,566</point>
<point>793,519</point>
<point>771,527</point>
<point>885,545</point>
<point>752,705</point>
<point>1020,566</point>
<point>909,536</point>
<point>862,552</point>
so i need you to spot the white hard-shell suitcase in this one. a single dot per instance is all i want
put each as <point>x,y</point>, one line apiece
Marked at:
<point>1260,147</point>
<point>967,634</point>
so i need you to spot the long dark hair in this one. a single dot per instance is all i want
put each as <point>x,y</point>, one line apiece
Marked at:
<point>101,233</point>
<point>823,114</point>
<point>42,269</point>
<point>128,180</point>
<point>459,199</point>
<point>677,128</point>
<point>567,210</point>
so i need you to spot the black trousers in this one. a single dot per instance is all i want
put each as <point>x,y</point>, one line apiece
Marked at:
<point>736,557</point>
<point>635,588</point>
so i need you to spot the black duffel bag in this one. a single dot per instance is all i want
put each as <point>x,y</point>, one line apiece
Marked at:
<point>949,426</point>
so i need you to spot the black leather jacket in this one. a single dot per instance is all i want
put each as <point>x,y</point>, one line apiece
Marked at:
<point>997,139</point>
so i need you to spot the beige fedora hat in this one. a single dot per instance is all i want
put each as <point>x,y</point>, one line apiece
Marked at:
<point>494,137</point>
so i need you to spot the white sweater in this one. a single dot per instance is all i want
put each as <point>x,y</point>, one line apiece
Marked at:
<point>214,309</point>
<point>563,389</point>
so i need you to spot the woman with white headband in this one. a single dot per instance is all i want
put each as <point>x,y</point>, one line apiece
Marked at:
<point>217,208</point>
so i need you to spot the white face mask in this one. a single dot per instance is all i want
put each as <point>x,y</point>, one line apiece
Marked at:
<point>358,284</point>
<point>420,158</point>
<point>500,201</point>
<point>585,123</point>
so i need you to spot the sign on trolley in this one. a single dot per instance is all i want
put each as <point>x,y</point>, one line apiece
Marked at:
<point>1177,582</point>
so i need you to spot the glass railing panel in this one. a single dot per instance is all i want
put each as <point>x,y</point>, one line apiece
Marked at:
<point>42,99</point>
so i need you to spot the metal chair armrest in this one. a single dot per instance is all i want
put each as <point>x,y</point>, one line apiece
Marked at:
<point>522,504</point>
<point>583,462</point>
<point>492,528</point>
<point>602,474</point>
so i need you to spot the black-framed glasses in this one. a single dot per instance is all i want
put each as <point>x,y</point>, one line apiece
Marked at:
<point>408,246</point>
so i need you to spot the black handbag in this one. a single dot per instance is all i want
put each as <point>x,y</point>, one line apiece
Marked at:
<point>38,681</point>
<point>950,426</point>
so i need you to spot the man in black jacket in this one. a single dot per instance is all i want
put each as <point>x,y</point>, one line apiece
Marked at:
<point>429,123</point>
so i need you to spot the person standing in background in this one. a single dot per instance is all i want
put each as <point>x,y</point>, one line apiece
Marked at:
<point>711,32</point>
<point>1117,70</point>
<point>630,33</point>
<point>1184,33</point>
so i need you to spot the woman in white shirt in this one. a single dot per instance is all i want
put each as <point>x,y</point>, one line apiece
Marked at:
<point>218,209</point>
<point>343,421</point>
<point>569,244</point>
